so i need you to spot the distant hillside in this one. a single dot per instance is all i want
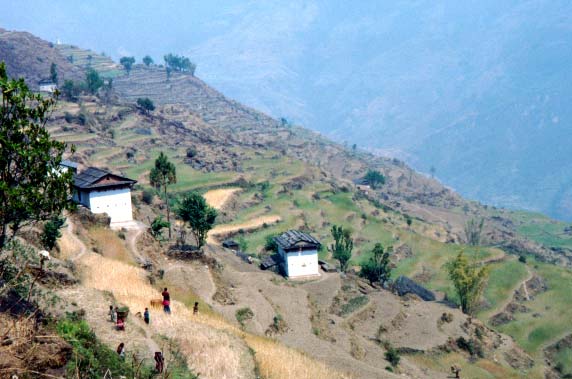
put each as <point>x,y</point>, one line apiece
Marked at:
<point>30,57</point>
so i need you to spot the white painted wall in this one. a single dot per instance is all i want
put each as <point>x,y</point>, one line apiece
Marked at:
<point>116,203</point>
<point>301,263</point>
<point>48,88</point>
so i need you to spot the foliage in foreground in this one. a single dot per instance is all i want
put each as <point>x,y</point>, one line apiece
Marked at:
<point>469,281</point>
<point>32,186</point>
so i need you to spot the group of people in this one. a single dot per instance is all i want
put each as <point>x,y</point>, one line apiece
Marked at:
<point>159,357</point>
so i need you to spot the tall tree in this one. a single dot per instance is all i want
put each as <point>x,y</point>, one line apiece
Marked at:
<point>469,280</point>
<point>127,63</point>
<point>195,211</point>
<point>32,186</point>
<point>377,269</point>
<point>93,81</point>
<point>162,175</point>
<point>147,60</point>
<point>342,247</point>
<point>473,231</point>
<point>375,178</point>
<point>54,73</point>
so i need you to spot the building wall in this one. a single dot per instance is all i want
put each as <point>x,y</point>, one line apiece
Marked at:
<point>116,203</point>
<point>48,88</point>
<point>81,197</point>
<point>301,263</point>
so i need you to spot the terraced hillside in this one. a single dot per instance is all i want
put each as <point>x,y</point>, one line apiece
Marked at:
<point>29,57</point>
<point>292,178</point>
<point>89,59</point>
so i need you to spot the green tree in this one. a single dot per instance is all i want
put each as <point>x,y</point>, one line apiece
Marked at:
<point>158,225</point>
<point>52,232</point>
<point>392,356</point>
<point>377,268</point>
<point>375,178</point>
<point>473,231</point>
<point>163,174</point>
<point>32,186</point>
<point>93,81</point>
<point>127,63</point>
<point>179,63</point>
<point>195,211</point>
<point>147,60</point>
<point>469,280</point>
<point>70,90</point>
<point>342,247</point>
<point>146,104</point>
<point>54,73</point>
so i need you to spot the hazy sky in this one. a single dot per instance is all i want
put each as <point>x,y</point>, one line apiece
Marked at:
<point>125,27</point>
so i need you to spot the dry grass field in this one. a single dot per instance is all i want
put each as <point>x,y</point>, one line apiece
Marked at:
<point>217,198</point>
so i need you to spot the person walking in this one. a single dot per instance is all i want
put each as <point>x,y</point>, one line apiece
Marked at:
<point>146,316</point>
<point>112,314</point>
<point>196,308</point>
<point>121,350</point>
<point>166,301</point>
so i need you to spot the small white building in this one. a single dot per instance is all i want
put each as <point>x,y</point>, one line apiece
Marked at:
<point>104,192</point>
<point>46,85</point>
<point>299,254</point>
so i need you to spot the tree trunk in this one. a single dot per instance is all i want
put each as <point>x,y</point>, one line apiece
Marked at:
<point>168,210</point>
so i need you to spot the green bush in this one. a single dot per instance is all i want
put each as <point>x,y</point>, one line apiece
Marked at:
<point>354,304</point>
<point>392,356</point>
<point>147,196</point>
<point>90,357</point>
<point>243,315</point>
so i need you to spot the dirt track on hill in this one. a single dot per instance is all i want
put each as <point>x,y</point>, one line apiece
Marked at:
<point>217,198</point>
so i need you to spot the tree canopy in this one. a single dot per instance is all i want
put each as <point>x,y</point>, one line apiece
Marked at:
<point>146,104</point>
<point>32,185</point>
<point>377,268</point>
<point>93,81</point>
<point>200,217</point>
<point>163,174</point>
<point>375,178</point>
<point>127,63</point>
<point>147,60</point>
<point>54,73</point>
<point>469,280</point>
<point>342,247</point>
<point>179,63</point>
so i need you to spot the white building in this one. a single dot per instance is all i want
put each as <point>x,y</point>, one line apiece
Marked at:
<point>299,254</point>
<point>46,85</point>
<point>104,192</point>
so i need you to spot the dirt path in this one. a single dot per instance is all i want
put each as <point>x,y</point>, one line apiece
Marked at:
<point>502,306</point>
<point>253,224</point>
<point>71,247</point>
<point>217,198</point>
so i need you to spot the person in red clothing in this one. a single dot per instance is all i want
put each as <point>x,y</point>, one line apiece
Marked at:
<point>166,301</point>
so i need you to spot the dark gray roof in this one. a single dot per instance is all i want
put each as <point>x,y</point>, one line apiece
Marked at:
<point>68,163</point>
<point>46,81</point>
<point>91,176</point>
<point>361,182</point>
<point>294,239</point>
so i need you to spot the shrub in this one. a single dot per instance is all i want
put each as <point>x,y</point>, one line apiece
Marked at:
<point>270,244</point>
<point>353,304</point>
<point>82,118</point>
<point>522,259</point>
<point>243,315</point>
<point>147,196</point>
<point>392,356</point>
<point>191,152</point>
<point>242,243</point>
<point>68,117</point>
